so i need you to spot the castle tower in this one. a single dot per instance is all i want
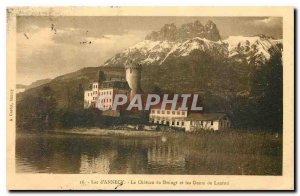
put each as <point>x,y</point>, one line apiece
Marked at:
<point>133,77</point>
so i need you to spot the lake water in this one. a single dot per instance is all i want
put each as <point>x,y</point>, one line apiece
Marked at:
<point>63,153</point>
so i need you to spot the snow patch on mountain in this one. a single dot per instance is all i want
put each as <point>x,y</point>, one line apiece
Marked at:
<point>149,52</point>
<point>255,46</point>
<point>253,49</point>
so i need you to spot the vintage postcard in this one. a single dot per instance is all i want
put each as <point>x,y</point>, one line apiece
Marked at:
<point>150,98</point>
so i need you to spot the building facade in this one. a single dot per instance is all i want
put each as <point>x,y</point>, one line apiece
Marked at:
<point>207,121</point>
<point>90,96</point>
<point>173,118</point>
<point>113,83</point>
<point>108,90</point>
<point>190,122</point>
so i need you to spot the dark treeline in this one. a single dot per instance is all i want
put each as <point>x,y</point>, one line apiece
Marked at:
<point>263,107</point>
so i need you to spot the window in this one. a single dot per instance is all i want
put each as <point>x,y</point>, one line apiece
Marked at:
<point>201,122</point>
<point>178,123</point>
<point>153,111</point>
<point>173,112</point>
<point>158,112</point>
<point>211,122</point>
<point>168,112</point>
<point>182,123</point>
<point>183,113</point>
<point>173,123</point>
<point>167,122</point>
<point>162,122</point>
<point>157,121</point>
<point>178,113</point>
<point>163,112</point>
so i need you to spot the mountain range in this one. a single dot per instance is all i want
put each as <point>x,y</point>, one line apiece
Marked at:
<point>191,58</point>
<point>173,42</point>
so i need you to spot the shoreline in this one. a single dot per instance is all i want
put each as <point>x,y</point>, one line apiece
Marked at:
<point>110,132</point>
<point>95,131</point>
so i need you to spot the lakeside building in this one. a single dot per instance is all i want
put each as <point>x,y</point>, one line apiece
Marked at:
<point>169,117</point>
<point>90,96</point>
<point>116,84</point>
<point>206,121</point>
<point>190,122</point>
<point>187,119</point>
<point>108,89</point>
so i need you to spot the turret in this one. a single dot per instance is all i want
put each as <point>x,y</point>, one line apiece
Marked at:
<point>133,77</point>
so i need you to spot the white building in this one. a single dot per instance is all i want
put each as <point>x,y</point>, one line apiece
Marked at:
<point>206,121</point>
<point>90,96</point>
<point>108,89</point>
<point>191,122</point>
<point>175,118</point>
<point>111,87</point>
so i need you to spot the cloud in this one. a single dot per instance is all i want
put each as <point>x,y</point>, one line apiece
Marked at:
<point>46,54</point>
<point>268,21</point>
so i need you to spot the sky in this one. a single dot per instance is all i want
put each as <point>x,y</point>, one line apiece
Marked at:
<point>48,47</point>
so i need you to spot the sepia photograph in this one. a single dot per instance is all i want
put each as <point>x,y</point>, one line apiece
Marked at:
<point>151,94</point>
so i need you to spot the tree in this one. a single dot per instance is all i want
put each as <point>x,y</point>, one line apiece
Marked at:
<point>267,93</point>
<point>37,111</point>
<point>46,108</point>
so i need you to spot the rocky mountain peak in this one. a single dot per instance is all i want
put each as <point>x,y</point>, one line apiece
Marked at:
<point>169,32</point>
<point>212,32</point>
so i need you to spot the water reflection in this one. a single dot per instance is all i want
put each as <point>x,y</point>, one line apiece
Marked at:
<point>97,164</point>
<point>48,153</point>
<point>165,155</point>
